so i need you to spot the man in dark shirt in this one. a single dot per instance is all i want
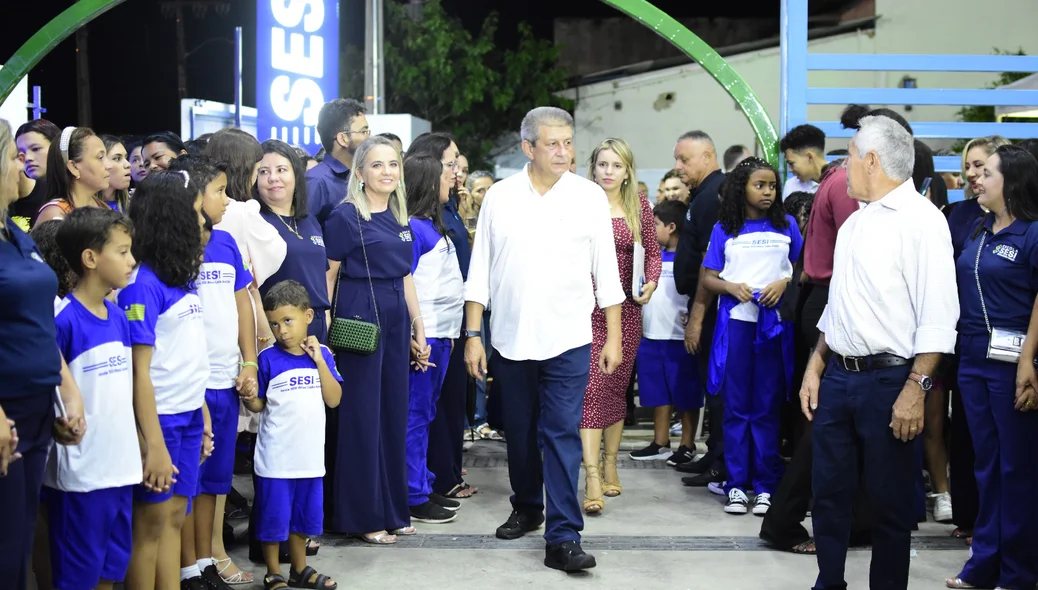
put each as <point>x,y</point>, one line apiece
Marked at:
<point>342,127</point>
<point>695,159</point>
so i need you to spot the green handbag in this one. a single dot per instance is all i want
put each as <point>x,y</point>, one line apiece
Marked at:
<point>354,335</point>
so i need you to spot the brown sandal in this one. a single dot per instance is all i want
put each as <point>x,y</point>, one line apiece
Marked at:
<point>805,548</point>
<point>593,504</point>
<point>610,477</point>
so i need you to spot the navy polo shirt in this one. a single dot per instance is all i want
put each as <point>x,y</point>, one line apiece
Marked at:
<point>458,234</point>
<point>962,218</point>
<point>28,340</point>
<point>326,186</point>
<point>703,212</point>
<point>1008,272</point>
<point>305,260</point>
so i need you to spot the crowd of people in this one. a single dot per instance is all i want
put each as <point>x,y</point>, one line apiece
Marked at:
<point>160,297</point>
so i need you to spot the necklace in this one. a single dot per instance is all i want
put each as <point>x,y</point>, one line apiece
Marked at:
<point>294,230</point>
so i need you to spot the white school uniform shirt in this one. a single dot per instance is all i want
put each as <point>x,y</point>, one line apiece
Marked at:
<point>99,358</point>
<point>893,289</point>
<point>170,320</point>
<point>662,316</point>
<point>437,280</point>
<point>222,275</point>
<point>794,184</point>
<point>290,440</point>
<point>534,256</point>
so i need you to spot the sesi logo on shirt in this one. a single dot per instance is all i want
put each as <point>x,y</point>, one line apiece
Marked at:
<point>405,235</point>
<point>1006,251</point>
<point>317,241</point>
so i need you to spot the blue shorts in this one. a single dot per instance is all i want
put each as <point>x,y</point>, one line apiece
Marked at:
<point>215,474</point>
<point>91,535</point>
<point>288,505</point>
<point>668,376</point>
<point>183,435</point>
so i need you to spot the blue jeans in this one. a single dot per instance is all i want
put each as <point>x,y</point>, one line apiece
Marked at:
<point>853,416</point>
<point>543,402</point>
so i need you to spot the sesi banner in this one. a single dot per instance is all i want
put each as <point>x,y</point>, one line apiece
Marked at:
<point>297,67</point>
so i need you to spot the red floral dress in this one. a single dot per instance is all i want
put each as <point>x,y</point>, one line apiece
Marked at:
<point>605,399</point>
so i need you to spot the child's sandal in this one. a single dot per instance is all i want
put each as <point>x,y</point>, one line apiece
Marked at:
<point>272,581</point>
<point>302,580</point>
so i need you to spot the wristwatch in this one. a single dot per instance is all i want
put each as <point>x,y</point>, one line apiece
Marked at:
<point>473,334</point>
<point>924,381</point>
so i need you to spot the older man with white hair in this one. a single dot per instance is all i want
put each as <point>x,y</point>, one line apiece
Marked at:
<point>892,311</point>
<point>542,235</point>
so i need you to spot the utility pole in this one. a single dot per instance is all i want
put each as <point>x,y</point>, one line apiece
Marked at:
<point>83,78</point>
<point>374,64</point>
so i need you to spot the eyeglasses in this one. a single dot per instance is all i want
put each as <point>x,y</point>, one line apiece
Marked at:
<point>453,165</point>
<point>365,131</point>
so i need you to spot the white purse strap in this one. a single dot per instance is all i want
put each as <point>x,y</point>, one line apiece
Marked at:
<point>976,275</point>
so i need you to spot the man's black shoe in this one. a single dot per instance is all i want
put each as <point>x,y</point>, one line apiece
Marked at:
<point>696,467</point>
<point>213,580</point>
<point>518,524</point>
<point>703,479</point>
<point>568,557</point>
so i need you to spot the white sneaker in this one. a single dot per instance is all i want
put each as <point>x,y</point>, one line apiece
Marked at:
<point>716,488</point>
<point>942,507</point>
<point>738,503</point>
<point>761,504</point>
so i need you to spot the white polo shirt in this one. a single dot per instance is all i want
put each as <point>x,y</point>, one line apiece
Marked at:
<point>534,257</point>
<point>893,288</point>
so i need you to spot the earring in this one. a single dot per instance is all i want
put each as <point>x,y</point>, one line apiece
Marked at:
<point>360,185</point>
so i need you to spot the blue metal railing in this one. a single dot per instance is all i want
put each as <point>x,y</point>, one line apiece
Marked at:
<point>796,95</point>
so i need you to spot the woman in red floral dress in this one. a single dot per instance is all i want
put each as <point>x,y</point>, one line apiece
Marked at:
<point>605,404</point>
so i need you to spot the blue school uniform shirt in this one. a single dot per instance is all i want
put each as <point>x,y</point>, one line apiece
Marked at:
<point>290,440</point>
<point>170,320</point>
<point>662,316</point>
<point>31,363</point>
<point>98,354</point>
<point>1008,275</point>
<point>390,253</point>
<point>222,275</point>
<point>306,261</point>
<point>758,255</point>
<point>437,280</point>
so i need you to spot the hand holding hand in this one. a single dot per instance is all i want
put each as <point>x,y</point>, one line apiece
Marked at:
<point>1026,381</point>
<point>159,471</point>
<point>8,443</point>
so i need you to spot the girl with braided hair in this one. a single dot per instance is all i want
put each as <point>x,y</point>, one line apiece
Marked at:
<point>749,263</point>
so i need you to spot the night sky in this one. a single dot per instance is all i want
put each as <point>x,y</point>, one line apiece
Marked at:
<point>133,61</point>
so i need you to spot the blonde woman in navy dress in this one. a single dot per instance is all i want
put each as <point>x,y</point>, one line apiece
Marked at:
<point>605,399</point>
<point>370,468</point>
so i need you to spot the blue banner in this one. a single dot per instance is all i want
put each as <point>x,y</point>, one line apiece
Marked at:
<point>297,67</point>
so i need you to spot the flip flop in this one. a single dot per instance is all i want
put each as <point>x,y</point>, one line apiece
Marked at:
<point>378,539</point>
<point>958,583</point>
<point>407,531</point>
<point>457,491</point>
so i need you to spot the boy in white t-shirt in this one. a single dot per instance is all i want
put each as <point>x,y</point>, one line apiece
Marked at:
<point>88,489</point>
<point>297,379</point>
<point>667,373</point>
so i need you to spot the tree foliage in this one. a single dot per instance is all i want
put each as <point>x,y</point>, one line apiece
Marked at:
<point>462,83</point>
<point>986,114</point>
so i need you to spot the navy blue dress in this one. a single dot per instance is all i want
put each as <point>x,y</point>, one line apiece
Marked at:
<point>367,462</point>
<point>30,370</point>
<point>305,262</point>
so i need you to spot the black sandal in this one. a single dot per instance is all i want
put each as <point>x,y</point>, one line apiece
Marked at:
<point>270,582</point>
<point>456,491</point>
<point>312,547</point>
<point>302,580</point>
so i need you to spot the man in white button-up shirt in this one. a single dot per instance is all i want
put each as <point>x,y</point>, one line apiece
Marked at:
<point>542,235</point>
<point>892,311</point>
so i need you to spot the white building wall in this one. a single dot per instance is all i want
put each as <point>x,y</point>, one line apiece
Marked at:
<point>651,125</point>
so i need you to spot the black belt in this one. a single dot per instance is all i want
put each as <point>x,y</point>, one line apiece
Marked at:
<point>860,364</point>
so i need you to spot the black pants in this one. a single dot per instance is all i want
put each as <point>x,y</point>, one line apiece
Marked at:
<point>20,489</point>
<point>852,421</point>
<point>714,403</point>
<point>782,526</point>
<point>446,433</point>
<point>963,481</point>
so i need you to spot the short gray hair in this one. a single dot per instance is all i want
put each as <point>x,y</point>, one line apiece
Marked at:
<point>892,143</point>
<point>476,176</point>
<point>530,130</point>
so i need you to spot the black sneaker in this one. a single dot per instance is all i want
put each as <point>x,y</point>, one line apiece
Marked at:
<point>195,583</point>
<point>738,502</point>
<point>568,557</point>
<point>683,455</point>
<point>432,513</point>
<point>518,524</point>
<point>213,580</point>
<point>445,502</point>
<point>653,452</point>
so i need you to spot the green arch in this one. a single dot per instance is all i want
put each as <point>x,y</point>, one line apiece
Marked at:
<point>665,26</point>
<point>47,38</point>
<point>84,11</point>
